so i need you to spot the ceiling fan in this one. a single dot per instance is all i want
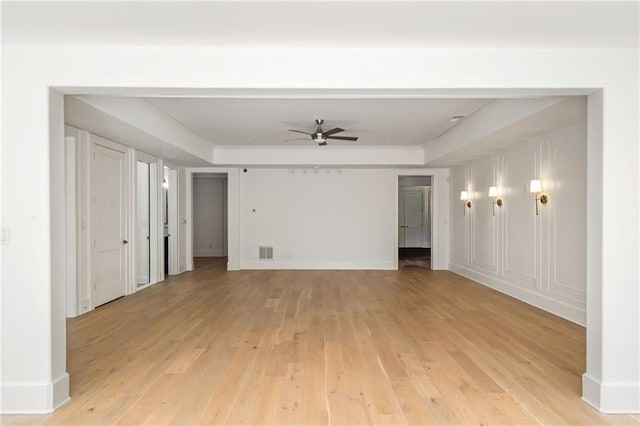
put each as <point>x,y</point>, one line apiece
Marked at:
<point>320,136</point>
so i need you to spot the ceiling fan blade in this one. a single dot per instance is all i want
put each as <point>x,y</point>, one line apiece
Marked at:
<point>296,139</point>
<point>343,138</point>
<point>333,131</point>
<point>322,143</point>
<point>299,131</point>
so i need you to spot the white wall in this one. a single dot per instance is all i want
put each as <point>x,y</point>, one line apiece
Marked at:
<point>32,314</point>
<point>209,215</point>
<point>539,259</point>
<point>318,218</point>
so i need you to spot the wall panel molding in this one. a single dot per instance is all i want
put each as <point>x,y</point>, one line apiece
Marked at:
<point>540,259</point>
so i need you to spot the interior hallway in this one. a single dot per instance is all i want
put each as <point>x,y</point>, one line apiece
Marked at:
<point>312,347</point>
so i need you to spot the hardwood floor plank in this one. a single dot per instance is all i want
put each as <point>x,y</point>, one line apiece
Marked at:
<point>322,347</point>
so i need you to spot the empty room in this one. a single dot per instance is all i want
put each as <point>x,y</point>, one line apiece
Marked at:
<point>320,212</point>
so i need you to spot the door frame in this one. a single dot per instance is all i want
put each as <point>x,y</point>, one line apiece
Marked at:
<point>436,183</point>
<point>172,220</point>
<point>71,216</point>
<point>233,214</point>
<point>154,219</point>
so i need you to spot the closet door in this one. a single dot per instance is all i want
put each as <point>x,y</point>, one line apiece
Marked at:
<point>413,218</point>
<point>108,221</point>
<point>401,219</point>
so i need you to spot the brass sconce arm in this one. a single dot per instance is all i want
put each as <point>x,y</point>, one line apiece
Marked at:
<point>535,187</point>
<point>497,200</point>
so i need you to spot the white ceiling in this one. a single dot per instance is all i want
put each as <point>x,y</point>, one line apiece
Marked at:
<point>225,121</point>
<point>524,24</point>
<point>160,126</point>
<point>568,111</point>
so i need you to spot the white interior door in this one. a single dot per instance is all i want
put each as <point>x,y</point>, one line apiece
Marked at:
<point>143,230</point>
<point>401,219</point>
<point>108,219</point>
<point>413,218</point>
<point>427,218</point>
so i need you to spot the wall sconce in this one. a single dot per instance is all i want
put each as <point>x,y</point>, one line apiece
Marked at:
<point>493,192</point>
<point>464,196</point>
<point>536,187</point>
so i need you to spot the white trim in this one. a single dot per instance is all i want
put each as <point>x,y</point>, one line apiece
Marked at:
<point>130,287</point>
<point>34,398</point>
<point>435,183</point>
<point>60,391</point>
<point>83,223</point>
<point>233,214</point>
<point>159,266</point>
<point>172,219</point>
<point>569,312</point>
<point>188,213</point>
<point>322,265</point>
<point>71,231</point>
<point>153,163</point>
<point>591,391</point>
<point>611,398</point>
<point>98,140</point>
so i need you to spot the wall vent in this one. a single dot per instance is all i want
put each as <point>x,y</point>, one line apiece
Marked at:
<point>265,252</point>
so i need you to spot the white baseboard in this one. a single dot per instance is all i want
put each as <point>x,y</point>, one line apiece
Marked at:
<point>591,391</point>
<point>233,266</point>
<point>61,391</point>
<point>572,313</point>
<point>34,398</point>
<point>611,398</point>
<point>209,253</point>
<point>311,265</point>
<point>182,268</point>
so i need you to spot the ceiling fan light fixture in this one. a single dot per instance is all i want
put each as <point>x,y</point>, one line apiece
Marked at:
<point>319,137</point>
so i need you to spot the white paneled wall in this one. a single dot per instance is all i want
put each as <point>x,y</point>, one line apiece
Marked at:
<point>538,259</point>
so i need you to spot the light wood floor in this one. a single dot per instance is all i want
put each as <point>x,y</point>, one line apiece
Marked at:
<point>314,347</point>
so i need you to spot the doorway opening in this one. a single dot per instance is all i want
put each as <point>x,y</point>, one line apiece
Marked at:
<point>210,235</point>
<point>169,219</point>
<point>146,221</point>
<point>143,223</point>
<point>414,222</point>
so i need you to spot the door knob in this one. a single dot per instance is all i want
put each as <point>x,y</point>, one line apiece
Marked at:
<point>125,242</point>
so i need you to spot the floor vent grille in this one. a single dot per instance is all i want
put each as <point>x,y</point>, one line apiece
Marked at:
<point>265,252</point>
